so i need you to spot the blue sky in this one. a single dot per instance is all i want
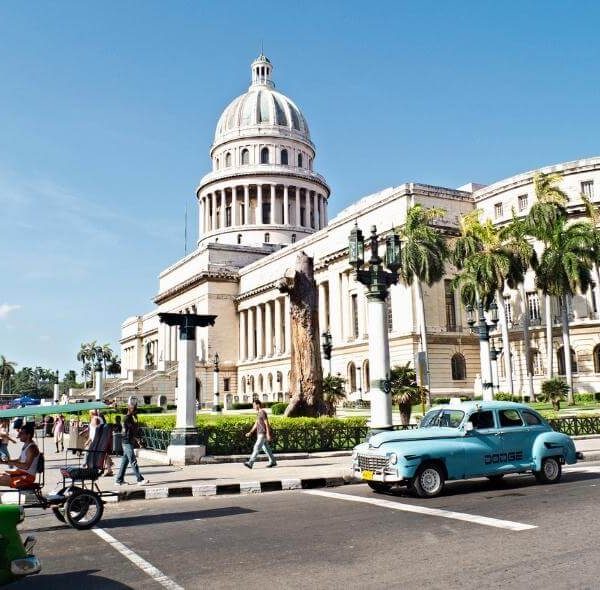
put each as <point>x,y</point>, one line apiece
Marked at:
<point>107,112</point>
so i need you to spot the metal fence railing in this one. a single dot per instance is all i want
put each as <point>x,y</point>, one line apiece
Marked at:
<point>155,439</point>
<point>576,425</point>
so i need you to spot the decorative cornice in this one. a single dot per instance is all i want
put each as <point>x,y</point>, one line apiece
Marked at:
<point>249,294</point>
<point>197,279</point>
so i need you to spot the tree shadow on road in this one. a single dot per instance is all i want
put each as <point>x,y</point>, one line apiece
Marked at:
<point>82,579</point>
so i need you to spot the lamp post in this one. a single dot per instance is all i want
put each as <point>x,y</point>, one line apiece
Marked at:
<point>327,347</point>
<point>480,327</point>
<point>216,405</point>
<point>56,389</point>
<point>359,384</point>
<point>377,280</point>
<point>494,353</point>
<point>99,383</point>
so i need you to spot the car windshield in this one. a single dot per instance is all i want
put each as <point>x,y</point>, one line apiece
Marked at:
<point>447,418</point>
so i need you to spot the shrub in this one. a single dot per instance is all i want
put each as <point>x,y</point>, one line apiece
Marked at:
<point>584,398</point>
<point>241,406</point>
<point>504,397</point>
<point>362,404</point>
<point>278,408</point>
<point>440,400</point>
<point>554,391</point>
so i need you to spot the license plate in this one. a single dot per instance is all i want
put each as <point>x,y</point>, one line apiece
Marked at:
<point>368,475</point>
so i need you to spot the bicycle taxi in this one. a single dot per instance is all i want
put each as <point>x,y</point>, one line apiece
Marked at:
<point>78,500</point>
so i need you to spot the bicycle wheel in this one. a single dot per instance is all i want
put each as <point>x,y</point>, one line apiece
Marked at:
<point>84,509</point>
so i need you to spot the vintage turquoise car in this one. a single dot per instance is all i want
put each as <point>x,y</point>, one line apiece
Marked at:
<point>461,441</point>
<point>16,558</point>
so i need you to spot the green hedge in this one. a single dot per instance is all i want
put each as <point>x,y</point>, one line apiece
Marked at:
<point>249,406</point>
<point>278,408</point>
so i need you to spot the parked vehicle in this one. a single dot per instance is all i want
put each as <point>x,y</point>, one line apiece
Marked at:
<point>16,557</point>
<point>461,441</point>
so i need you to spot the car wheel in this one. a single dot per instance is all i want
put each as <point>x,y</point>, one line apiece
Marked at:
<point>551,471</point>
<point>497,478</point>
<point>379,487</point>
<point>429,481</point>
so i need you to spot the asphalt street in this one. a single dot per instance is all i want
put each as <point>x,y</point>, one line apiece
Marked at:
<point>514,534</point>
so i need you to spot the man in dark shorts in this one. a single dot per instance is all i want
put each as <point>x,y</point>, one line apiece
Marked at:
<point>263,436</point>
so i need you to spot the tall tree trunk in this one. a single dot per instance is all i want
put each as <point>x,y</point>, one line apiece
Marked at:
<point>527,344</point>
<point>597,286</point>
<point>549,348</point>
<point>505,342</point>
<point>564,314</point>
<point>306,379</point>
<point>423,336</point>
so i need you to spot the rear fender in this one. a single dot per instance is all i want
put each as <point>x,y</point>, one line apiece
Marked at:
<point>553,444</point>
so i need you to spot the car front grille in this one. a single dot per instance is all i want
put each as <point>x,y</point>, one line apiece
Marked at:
<point>372,462</point>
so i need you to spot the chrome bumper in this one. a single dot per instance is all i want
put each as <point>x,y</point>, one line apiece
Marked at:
<point>385,476</point>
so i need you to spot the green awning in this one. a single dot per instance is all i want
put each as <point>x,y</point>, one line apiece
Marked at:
<point>52,409</point>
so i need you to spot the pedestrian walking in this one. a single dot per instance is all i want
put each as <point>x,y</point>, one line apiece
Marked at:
<point>5,439</point>
<point>58,430</point>
<point>263,436</point>
<point>130,433</point>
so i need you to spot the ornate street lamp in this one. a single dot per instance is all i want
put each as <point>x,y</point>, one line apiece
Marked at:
<point>481,328</point>
<point>56,389</point>
<point>359,385</point>
<point>378,281</point>
<point>216,405</point>
<point>327,347</point>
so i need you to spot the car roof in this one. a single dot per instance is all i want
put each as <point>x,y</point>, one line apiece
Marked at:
<point>483,405</point>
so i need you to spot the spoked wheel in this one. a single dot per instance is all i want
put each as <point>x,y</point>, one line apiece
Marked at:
<point>84,509</point>
<point>379,487</point>
<point>59,513</point>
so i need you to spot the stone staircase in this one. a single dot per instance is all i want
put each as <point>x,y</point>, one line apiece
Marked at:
<point>152,387</point>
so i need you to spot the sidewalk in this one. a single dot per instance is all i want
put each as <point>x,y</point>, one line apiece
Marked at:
<point>210,479</point>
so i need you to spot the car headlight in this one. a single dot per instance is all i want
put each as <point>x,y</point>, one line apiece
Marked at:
<point>393,458</point>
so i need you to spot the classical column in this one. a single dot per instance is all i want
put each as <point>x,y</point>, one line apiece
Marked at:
<point>297,191</point>
<point>277,303</point>
<point>259,331</point>
<point>213,209</point>
<point>335,308</point>
<point>243,336</point>
<point>251,349</point>
<point>222,216</point>
<point>286,208</point>
<point>322,308</point>
<point>234,207</point>
<point>287,323</point>
<point>273,207</point>
<point>246,204</point>
<point>324,210</point>
<point>268,330</point>
<point>307,208</point>
<point>258,219</point>
<point>317,211</point>
<point>344,301</point>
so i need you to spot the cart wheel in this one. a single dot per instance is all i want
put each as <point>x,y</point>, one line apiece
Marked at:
<point>84,509</point>
<point>59,513</point>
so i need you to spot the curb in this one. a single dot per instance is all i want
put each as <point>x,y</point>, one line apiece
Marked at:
<point>242,488</point>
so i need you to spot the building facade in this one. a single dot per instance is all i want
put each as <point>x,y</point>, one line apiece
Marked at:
<point>261,204</point>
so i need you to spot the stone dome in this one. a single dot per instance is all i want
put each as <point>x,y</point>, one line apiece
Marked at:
<point>262,107</point>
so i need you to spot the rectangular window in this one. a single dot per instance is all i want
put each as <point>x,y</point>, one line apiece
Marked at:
<point>450,306</point>
<point>355,315</point>
<point>226,384</point>
<point>522,202</point>
<point>508,310</point>
<point>533,305</point>
<point>498,210</point>
<point>587,189</point>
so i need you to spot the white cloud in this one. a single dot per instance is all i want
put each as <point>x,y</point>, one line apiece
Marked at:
<point>6,308</point>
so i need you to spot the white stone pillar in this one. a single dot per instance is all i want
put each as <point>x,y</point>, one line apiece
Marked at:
<point>379,365</point>
<point>273,217</point>
<point>344,296</point>
<point>56,393</point>
<point>234,207</point>
<point>162,356</point>
<point>287,323</point>
<point>278,326</point>
<point>268,330</point>
<point>297,191</point>
<point>259,332</point>
<point>307,208</point>
<point>486,369</point>
<point>322,309</point>
<point>223,203</point>
<point>99,388</point>
<point>286,208</point>
<point>251,350</point>
<point>246,205</point>
<point>258,219</point>
<point>243,336</point>
<point>335,307</point>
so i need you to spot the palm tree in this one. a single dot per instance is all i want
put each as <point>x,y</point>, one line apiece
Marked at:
<point>7,370</point>
<point>333,392</point>
<point>82,357</point>
<point>106,355</point>
<point>564,269</point>
<point>554,391</point>
<point>593,212</point>
<point>423,257</point>
<point>549,206</point>
<point>405,390</point>
<point>492,258</point>
<point>114,365</point>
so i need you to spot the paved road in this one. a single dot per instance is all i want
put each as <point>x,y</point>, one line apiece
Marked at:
<point>517,534</point>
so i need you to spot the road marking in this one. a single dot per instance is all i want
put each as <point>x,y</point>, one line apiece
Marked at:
<point>153,572</point>
<point>483,520</point>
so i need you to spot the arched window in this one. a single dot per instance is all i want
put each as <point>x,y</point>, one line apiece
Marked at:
<point>596,355</point>
<point>252,384</point>
<point>351,380</point>
<point>217,164</point>
<point>536,366</point>
<point>239,238</point>
<point>270,381</point>
<point>267,238</point>
<point>284,157</point>
<point>228,159</point>
<point>243,385</point>
<point>264,156</point>
<point>279,379</point>
<point>561,361</point>
<point>299,160</point>
<point>245,156</point>
<point>265,397</point>
<point>459,368</point>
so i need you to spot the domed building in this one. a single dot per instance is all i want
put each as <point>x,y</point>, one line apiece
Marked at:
<point>262,203</point>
